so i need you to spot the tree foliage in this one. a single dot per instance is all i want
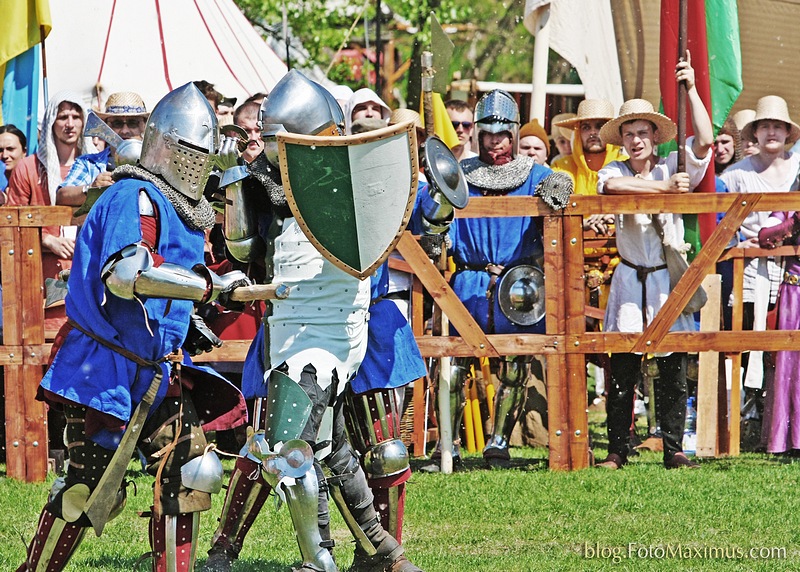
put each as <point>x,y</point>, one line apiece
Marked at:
<point>490,40</point>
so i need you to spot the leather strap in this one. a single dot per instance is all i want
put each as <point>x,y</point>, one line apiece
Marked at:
<point>641,275</point>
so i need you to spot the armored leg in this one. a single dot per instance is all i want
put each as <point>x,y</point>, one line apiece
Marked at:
<point>510,398</point>
<point>173,437</point>
<point>62,523</point>
<point>173,541</point>
<point>247,493</point>
<point>376,549</point>
<point>55,542</point>
<point>459,370</point>
<point>302,497</point>
<point>372,421</point>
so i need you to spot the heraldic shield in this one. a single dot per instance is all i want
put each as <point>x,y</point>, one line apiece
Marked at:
<point>352,195</point>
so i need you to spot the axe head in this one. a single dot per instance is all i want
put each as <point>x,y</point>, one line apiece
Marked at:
<point>96,127</point>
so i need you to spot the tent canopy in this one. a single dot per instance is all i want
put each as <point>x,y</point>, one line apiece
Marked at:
<point>153,46</point>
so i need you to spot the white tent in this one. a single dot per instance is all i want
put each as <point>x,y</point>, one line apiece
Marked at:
<point>153,46</point>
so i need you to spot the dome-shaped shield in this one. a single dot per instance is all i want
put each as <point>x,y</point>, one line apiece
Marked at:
<point>520,294</point>
<point>444,172</point>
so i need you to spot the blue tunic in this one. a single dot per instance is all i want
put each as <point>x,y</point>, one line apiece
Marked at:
<point>393,358</point>
<point>86,372</point>
<point>502,241</point>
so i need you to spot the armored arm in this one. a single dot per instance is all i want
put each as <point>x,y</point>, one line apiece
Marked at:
<point>132,271</point>
<point>240,224</point>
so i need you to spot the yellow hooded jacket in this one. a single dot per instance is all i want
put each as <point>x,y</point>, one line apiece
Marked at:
<point>575,164</point>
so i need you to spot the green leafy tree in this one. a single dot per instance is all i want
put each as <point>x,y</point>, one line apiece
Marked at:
<point>490,40</point>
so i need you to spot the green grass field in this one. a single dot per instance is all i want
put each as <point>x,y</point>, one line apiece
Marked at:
<point>733,514</point>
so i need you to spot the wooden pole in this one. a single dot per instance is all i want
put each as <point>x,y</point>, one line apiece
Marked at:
<point>682,90</point>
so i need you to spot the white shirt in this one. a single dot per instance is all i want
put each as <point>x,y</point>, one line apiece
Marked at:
<point>639,243</point>
<point>743,178</point>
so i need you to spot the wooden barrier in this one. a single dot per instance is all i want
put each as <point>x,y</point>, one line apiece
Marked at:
<point>25,350</point>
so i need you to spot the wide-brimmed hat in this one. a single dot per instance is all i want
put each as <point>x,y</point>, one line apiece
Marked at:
<point>632,110</point>
<point>589,109</point>
<point>124,104</point>
<point>401,115</point>
<point>772,107</point>
<point>555,130</point>
<point>743,117</point>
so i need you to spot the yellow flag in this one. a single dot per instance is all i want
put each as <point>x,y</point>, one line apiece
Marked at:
<point>20,26</point>
<point>442,126</point>
<point>23,25</point>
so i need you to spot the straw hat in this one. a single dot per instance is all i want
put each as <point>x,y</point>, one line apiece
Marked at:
<point>124,104</point>
<point>555,131</point>
<point>775,108</point>
<point>743,117</point>
<point>402,115</point>
<point>589,109</point>
<point>632,110</point>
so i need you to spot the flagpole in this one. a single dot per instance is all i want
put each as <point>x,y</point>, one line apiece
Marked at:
<point>44,68</point>
<point>683,27</point>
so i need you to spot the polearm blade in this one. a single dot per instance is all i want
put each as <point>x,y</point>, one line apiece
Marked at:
<point>96,127</point>
<point>100,503</point>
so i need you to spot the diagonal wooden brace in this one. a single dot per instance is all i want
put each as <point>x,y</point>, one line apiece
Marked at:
<point>444,296</point>
<point>689,282</point>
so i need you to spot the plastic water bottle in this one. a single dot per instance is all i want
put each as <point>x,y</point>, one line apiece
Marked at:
<point>690,430</point>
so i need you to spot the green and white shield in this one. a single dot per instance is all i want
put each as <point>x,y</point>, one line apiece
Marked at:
<point>353,195</point>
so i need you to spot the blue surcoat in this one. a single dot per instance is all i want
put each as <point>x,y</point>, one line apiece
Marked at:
<point>83,370</point>
<point>503,241</point>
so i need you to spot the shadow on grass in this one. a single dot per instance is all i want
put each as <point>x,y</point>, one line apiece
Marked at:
<point>477,463</point>
<point>144,564</point>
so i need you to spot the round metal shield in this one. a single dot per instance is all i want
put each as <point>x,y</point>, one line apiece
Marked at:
<point>444,173</point>
<point>520,295</point>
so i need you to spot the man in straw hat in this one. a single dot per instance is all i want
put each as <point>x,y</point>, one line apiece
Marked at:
<point>641,281</point>
<point>589,152</point>
<point>772,170</point>
<point>126,114</point>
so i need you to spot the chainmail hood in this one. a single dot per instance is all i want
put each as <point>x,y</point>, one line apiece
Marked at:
<point>270,179</point>
<point>497,179</point>
<point>198,215</point>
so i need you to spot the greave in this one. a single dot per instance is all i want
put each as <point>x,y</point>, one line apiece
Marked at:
<point>508,404</point>
<point>247,493</point>
<point>173,541</point>
<point>459,369</point>
<point>54,544</point>
<point>390,505</point>
<point>302,500</point>
<point>356,502</point>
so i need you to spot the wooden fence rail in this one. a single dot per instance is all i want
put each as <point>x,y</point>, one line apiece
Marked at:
<point>25,350</point>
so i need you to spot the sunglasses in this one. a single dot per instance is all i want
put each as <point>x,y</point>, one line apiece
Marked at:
<point>464,124</point>
<point>132,123</point>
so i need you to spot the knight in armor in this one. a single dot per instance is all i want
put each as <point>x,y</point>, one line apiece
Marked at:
<point>485,251</point>
<point>118,373</point>
<point>374,399</point>
<point>311,346</point>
